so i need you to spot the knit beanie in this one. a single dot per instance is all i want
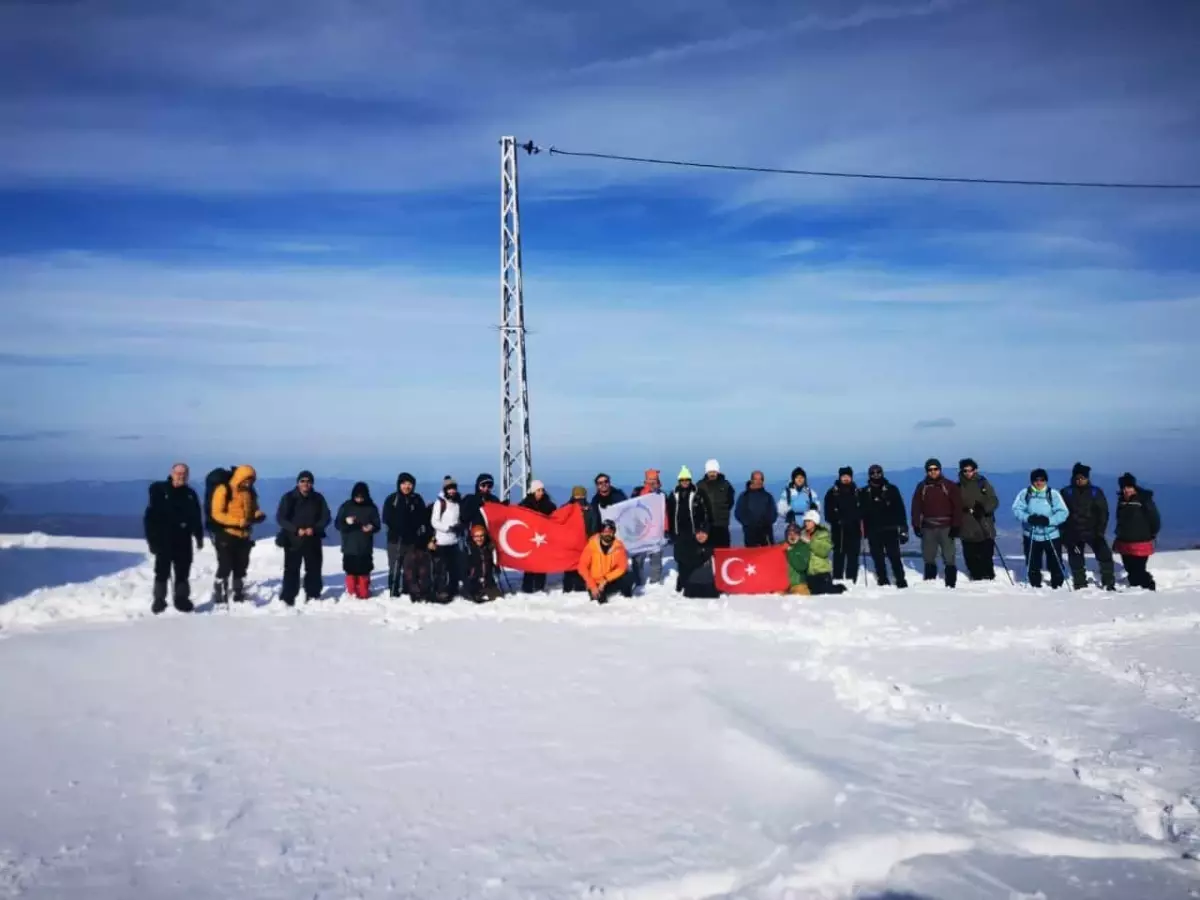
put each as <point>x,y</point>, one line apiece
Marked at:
<point>845,470</point>
<point>305,474</point>
<point>933,462</point>
<point>535,486</point>
<point>449,482</point>
<point>876,471</point>
<point>1126,480</point>
<point>712,466</point>
<point>1037,474</point>
<point>685,474</point>
<point>1080,469</point>
<point>579,492</point>
<point>967,463</point>
<point>813,516</point>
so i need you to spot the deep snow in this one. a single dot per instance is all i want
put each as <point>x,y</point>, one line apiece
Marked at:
<point>987,742</point>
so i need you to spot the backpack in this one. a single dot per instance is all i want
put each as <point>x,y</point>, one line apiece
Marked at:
<point>214,479</point>
<point>791,492</point>
<point>1069,491</point>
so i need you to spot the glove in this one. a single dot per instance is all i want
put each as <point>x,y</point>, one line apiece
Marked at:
<point>1038,520</point>
<point>199,542</point>
<point>904,537</point>
<point>954,533</point>
<point>977,511</point>
<point>259,515</point>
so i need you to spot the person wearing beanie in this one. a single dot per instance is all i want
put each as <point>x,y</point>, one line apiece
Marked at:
<point>694,560</point>
<point>302,517</point>
<point>885,523</point>
<point>1040,510</point>
<point>406,516</point>
<point>797,498</point>
<point>755,512</point>
<point>979,504</point>
<point>1138,525</point>
<point>937,520</point>
<point>572,581</point>
<point>687,509</point>
<point>539,501</point>
<point>808,546</point>
<point>604,565</point>
<point>445,518</point>
<point>358,521</point>
<point>651,485</point>
<point>1087,520</point>
<point>845,524</point>
<point>471,506</point>
<point>718,496</point>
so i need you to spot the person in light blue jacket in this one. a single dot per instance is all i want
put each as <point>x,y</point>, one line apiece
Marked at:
<point>1040,510</point>
<point>797,498</point>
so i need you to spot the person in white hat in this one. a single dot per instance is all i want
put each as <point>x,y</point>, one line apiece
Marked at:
<point>717,494</point>
<point>539,501</point>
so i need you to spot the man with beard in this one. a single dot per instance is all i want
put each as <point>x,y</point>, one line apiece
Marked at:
<point>718,498</point>
<point>756,513</point>
<point>979,502</point>
<point>845,524</point>
<point>303,516</point>
<point>407,520</point>
<point>885,523</point>
<point>936,520</point>
<point>172,522</point>
<point>604,565</point>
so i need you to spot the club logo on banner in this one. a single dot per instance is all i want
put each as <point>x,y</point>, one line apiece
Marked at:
<point>641,522</point>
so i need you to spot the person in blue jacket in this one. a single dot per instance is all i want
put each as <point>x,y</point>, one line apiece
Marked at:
<point>1041,510</point>
<point>797,498</point>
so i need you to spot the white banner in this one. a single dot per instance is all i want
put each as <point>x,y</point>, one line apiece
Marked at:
<point>641,522</point>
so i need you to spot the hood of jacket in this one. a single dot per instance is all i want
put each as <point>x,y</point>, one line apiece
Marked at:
<point>483,476</point>
<point>241,475</point>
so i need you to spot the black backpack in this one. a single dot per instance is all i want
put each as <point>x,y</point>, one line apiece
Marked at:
<point>212,481</point>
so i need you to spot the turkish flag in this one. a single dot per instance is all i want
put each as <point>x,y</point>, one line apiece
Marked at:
<point>751,570</point>
<point>531,542</point>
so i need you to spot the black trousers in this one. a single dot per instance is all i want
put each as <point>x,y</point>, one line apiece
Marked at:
<point>718,536</point>
<point>759,535</point>
<point>979,559</point>
<point>178,559</point>
<point>886,542</point>
<point>1104,557</point>
<point>233,557</point>
<point>823,584</point>
<point>449,557</point>
<point>1135,571</point>
<point>308,555</point>
<point>532,582</point>
<point>573,583</point>
<point>623,586</point>
<point>847,545</point>
<point>1051,553</point>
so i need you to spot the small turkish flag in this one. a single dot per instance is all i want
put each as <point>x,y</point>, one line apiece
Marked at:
<point>531,542</point>
<point>750,570</point>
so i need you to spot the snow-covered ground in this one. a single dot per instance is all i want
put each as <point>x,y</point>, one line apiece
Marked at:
<point>988,742</point>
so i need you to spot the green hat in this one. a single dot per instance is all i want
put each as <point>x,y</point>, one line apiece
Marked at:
<point>685,474</point>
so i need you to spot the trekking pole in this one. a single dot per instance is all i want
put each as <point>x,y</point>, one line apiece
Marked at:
<point>1061,571</point>
<point>1000,556</point>
<point>1028,557</point>
<point>862,549</point>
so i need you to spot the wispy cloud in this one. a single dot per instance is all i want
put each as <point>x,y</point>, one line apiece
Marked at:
<point>926,424</point>
<point>27,437</point>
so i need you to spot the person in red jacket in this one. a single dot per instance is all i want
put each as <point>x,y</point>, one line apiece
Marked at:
<point>937,520</point>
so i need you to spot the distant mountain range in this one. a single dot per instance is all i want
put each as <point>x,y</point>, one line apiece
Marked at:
<point>114,508</point>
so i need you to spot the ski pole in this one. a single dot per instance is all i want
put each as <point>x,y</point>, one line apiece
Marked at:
<point>996,550</point>
<point>1028,556</point>
<point>1061,571</point>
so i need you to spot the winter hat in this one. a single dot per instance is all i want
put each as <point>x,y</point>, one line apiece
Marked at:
<point>967,463</point>
<point>535,486</point>
<point>1126,480</point>
<point>685,474</point>
<point>403,477</point>
<point>1037,474</point>
<point>305,474</point>
<point>579,492</point>
<point>876,471</point>
<point>652,475</point>
<point>608,525</point>
<point>483,478</point>
<point>449,482</point>
<point>933,462</point>
<point>813,516</point>
<point>361,490</point>
<point>712,466</point>
<point>799,471</point>
<point>1080,469</point>
<point>845,470</point>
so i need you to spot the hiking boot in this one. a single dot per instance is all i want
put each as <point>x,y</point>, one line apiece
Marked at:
<point>160,597</point>
<point>239,590</point>
<point>182,598</point>
<point>930,571</point>
<point>951,576</point>
<point>901,583</point>
<point>220,592</point>
<point>1079,582</point>
<point>882,581</point>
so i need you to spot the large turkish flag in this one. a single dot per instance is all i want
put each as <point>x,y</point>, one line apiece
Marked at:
<point>751,570</point>
<point>531,542</point>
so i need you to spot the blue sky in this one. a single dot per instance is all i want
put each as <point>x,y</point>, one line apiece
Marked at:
<point>268,232</point>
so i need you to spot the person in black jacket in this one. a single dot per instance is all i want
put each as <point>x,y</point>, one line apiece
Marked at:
<point>694,559</point>
<point>885,521</point>
<point>425,574</point>
<point>718,497</point>
<point>303,516</point>
<point>539,501</point>
<point>1085,526</point>
<point>406,516</point>
<point>606,495</point>
<point>756,513</point>
<point>1138,525</point>
<point>171,522</point>
<point>686,508</point>
<point>479,583</point>
<point>470,507</point>
<point>572,581</point>
<point>844,519</point>
<point>358,521</point>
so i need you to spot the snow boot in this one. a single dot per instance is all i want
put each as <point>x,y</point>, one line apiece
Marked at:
<point>364,587</point>
<point>220,594</point>
<point>951,576</point>
<point>183,601</point>
<point>239,590</point>
<point>160,597</point>
<point>930,571</point>
<point>901,583</point>
<point>352,585</point>
<point>1079,582</point>
<point>882,580</point>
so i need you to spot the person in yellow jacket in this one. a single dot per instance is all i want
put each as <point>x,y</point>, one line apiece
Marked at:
<point>235,512</point>
<point>604,565</point>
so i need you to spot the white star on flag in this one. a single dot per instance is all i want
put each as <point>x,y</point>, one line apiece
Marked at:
<point>539,539</point>
<point>751,570</point>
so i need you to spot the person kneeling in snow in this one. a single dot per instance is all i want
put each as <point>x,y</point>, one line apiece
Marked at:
<point>604,565</point>
<point>358,520</point>
<point>694,557</point>
<point>809,548</point>
<point>479,583</point>
<point>425,575</point>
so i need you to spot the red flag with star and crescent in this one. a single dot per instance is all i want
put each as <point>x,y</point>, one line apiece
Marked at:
<point>751,570</point>
<point>531,542</point>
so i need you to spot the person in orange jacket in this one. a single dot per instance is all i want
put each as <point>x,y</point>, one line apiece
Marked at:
<point>604,565</point>
<point>235,512</point>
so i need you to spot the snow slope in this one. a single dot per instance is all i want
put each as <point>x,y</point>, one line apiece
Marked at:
<point>989,742</point>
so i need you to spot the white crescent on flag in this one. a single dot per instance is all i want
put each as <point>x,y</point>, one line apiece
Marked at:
<point>725,570</point>
<point>502,538</point>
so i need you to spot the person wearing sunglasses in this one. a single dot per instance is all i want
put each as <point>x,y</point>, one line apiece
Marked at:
<point>470,507</point>
<point>979,503</point>
<point>937,520</point>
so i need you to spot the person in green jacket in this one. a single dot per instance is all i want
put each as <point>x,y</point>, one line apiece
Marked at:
<point>809,548</point>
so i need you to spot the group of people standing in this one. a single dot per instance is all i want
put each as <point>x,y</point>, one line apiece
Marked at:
<point>441,549</point>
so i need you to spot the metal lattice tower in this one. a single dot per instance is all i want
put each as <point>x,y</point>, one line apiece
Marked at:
<point>515,460</point>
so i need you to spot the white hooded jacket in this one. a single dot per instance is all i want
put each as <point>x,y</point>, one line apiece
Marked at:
<point>444,517</point>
